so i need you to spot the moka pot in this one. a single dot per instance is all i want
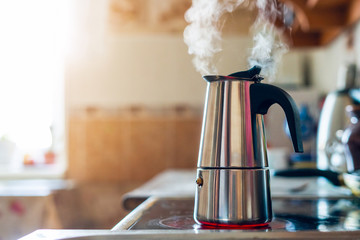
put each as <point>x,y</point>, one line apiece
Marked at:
<point>232,173</point>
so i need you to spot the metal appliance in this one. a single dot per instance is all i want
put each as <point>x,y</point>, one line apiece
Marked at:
<point>233,175</point>
<point>333,120</point>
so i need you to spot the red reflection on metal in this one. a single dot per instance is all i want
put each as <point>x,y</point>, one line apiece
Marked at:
<point>209,225</point>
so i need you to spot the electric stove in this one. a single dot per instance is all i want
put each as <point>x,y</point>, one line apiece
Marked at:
<point>171,218</point>
<point>324,215</point>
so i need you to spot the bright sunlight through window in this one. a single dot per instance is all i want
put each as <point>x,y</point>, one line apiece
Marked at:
<point>33,36</point>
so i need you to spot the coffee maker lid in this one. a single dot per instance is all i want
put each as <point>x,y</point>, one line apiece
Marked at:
<point>249,75</point>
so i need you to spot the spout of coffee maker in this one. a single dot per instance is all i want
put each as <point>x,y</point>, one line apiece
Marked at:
<point>264,95</point>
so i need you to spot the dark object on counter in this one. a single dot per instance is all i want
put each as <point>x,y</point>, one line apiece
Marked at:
<point>233,174</point>
<point>351,139</point>
<point>349,180</point>
<point>333,177</point>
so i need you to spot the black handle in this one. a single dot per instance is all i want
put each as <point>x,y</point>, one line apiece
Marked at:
<point>264,95</point>
<point>333,177</point>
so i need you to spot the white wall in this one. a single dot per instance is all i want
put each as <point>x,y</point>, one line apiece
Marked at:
<point>151,70</point>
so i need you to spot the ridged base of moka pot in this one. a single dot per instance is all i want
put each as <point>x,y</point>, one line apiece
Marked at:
<point>233,197</point>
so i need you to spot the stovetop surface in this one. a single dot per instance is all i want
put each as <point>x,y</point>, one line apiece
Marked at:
<point>289,215</point>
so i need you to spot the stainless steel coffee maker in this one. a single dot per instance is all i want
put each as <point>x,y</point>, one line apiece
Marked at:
<point>232,174</point>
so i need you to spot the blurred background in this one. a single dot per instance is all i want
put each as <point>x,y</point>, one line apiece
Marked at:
<point>97,97</point>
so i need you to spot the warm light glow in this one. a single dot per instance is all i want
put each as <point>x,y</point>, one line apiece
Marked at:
<point>32,46</point>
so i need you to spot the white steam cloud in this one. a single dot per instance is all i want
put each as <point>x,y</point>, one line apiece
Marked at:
<point>268,48</point>
<point>203,34</point>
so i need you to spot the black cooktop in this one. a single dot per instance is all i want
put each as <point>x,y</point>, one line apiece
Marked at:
<point>289,215</point>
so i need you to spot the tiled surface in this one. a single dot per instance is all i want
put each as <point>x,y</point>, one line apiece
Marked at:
<point>130,146</point>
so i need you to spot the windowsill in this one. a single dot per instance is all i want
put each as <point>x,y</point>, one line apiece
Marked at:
<point>54,171</point>
<point>33,187</point>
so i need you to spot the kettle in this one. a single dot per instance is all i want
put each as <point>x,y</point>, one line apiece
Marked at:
<point>232,172</point>
<point>333,120</point>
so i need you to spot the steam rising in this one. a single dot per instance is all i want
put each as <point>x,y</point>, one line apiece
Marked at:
<point>203,34</point>
<point>268,48</point>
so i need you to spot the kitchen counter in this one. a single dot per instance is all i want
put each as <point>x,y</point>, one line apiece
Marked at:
<point>182,234</point>
<point>318,195</point>
<point>305,208</point>
<point>181,183</point>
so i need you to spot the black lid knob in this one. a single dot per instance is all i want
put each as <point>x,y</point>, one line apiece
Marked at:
<point>252,72</point>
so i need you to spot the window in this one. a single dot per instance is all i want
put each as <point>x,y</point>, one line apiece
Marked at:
<point>33,37</point>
